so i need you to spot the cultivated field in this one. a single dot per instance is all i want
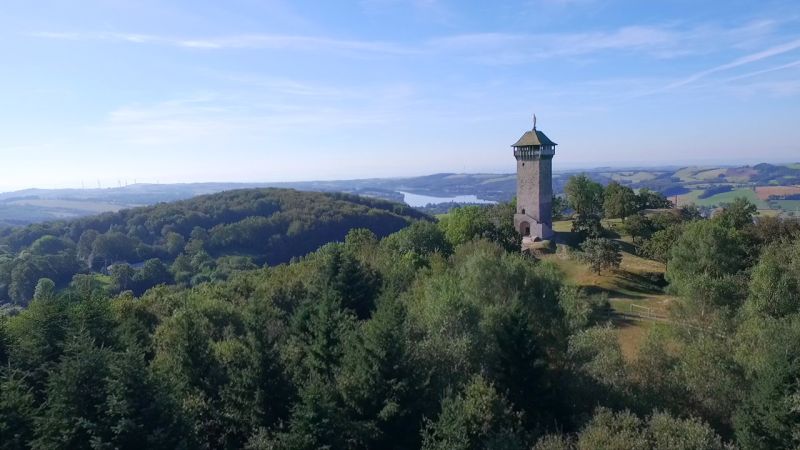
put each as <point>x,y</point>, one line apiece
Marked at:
<point>725,197</point>
<point>764,192</point>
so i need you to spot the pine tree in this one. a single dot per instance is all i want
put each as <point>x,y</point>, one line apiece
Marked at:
<point>380,385</point>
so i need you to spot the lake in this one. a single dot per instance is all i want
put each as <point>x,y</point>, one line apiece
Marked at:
<point>416,200</point>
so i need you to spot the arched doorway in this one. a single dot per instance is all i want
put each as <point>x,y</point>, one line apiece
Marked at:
<point>525,229</point>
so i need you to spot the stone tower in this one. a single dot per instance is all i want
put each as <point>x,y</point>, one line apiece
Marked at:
<point>534,216</point>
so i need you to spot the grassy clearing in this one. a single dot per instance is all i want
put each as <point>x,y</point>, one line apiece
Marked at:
<point>562,226</point>
<point>638,281</point>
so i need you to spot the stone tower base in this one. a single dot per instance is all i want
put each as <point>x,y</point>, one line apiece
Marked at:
<point>528,227</point>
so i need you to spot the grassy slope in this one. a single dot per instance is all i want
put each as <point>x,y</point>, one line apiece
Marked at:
<point>633,284</point>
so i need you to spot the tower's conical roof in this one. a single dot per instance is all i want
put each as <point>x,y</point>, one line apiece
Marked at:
<point>533,138</point>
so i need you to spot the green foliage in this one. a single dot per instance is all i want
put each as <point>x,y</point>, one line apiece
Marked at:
<point>400,342</point>
<point>768,230</point>
<point>122,277</point>
<point>47,245</point>
<point>775,281</point>
<point>613,431</point>
<point>354,285</point>
<point>477,418</point>
<point>588,227</point>
<point>418,242</point>
<point>638,227</point>
<point>601,254</point>
<point>659,246</point>
<point>198,236</point>
<point>381,387</point>
<point>464,224</point>
<point>618,201</point>
<point>770,419</point>
<point>45,289</point>
<point>579,311</point>
<point>560,205</point>
<point>738,214</point>
<point>648,199</point>
<point>704,261</point>
<point>17,412</point>
<point>625,431</point>
<point>584,195</point>
<point>152,273</point>
<point>598,353</point>
<point>495,223</point>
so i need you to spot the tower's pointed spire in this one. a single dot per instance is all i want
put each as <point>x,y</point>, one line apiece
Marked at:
<point>534,121</point>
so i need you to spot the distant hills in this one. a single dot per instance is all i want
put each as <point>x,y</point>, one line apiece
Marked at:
<point>772,187</point>
<point>188,241</point>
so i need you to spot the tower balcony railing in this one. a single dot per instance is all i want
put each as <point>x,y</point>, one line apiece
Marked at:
<point>533,152</point>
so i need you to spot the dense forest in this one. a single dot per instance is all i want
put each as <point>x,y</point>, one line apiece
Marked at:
<point>187,242</point>
<point>438,336</point>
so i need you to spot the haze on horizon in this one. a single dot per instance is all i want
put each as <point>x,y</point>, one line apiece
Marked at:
<point>276,90</point>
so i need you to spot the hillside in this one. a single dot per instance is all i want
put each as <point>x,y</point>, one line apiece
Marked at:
<point>437,336</point>
<point>774,188</point>
<point>187,241</point>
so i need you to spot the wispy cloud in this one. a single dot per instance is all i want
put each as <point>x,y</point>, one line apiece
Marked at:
<point>281,105</point>
<point>738,62</point>
<point>244,41</point>
<point>661,41</point>
<point>758,73</point>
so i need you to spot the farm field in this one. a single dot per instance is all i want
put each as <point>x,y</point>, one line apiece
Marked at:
<point>725,197</point>
<point>790,206</point>
<point>764,192</point>
<point>631,177</point>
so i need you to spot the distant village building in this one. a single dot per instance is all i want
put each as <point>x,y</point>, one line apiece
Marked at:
<point>534,216</point>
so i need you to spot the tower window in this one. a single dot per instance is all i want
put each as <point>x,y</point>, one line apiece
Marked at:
<point>523,210</point>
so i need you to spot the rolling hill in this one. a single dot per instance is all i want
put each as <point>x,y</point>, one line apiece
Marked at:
<point>773,187</point>
<point>187,241</point>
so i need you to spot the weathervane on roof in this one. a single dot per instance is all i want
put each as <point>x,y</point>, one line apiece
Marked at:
<point>534,121</point>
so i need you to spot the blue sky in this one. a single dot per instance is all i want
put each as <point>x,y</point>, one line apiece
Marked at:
<point>273,90</point>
